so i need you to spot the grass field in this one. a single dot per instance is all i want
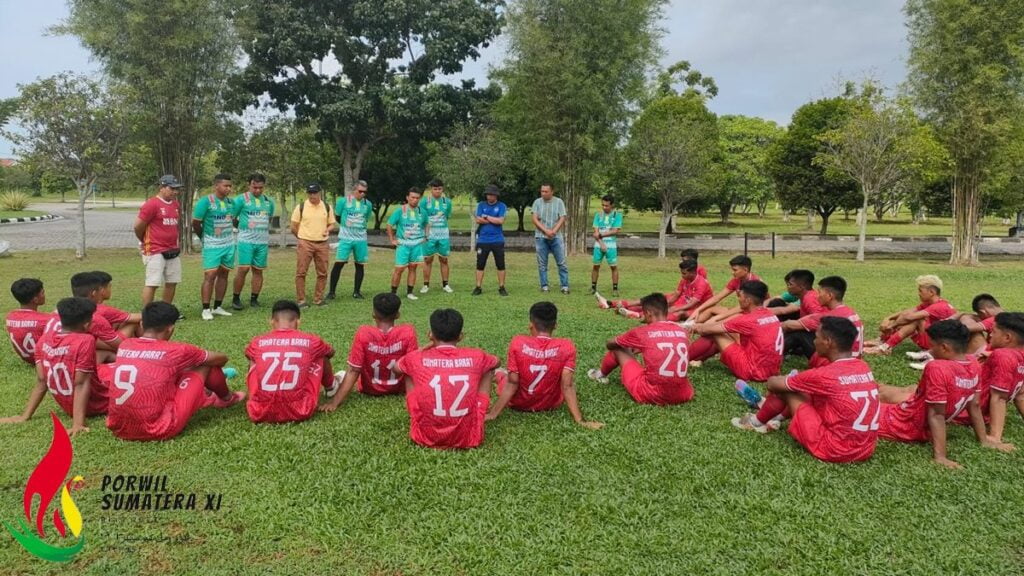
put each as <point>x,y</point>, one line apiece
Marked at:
<point>20,213</point>
<point>657,491</point>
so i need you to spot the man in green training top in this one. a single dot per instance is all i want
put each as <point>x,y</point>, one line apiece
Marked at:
<point>411,221</point>
<point>439,210</point>
<point>252,211</point>
<point>607,224</point>
<point>212,222</point>
<point>353,214</point>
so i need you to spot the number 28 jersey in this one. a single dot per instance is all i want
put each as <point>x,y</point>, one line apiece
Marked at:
<point>665,349</point>
<point>285,374</point>
<point>539,361</point>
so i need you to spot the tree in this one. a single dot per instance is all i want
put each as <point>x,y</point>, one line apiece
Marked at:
<point>72,126</point>
<point>574,73</point>
<point>800,183</point>
<point>745,145</point>
<point>8,108</point>
<point>672,157</point>
<point>966,74</point>
<point>173,60</point>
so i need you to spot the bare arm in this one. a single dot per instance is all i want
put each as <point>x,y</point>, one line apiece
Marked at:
<point>215,359</point>
<point>510,389</point>
<point>710,328</point>
<point>937,427</point>
<point>573,403</point>
<point>537,224</point>
<point>197,228</point>
<point>351,377</point>
<point>714,300</point>
<point>777,384</point>
<point>558,225</point>
<point>83,383</point>
<point>140,228</point>
<point>978,424</point>
<point>787,309</point>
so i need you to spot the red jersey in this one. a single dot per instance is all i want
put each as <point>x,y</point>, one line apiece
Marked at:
<point>845,396</point>
<point>665,350</point>
<point>285,374</point>
<point>26,327</point>
<point>812,322</point>
<point>952,383</point>
<point>113,316</point>
<point>702,272</point>
<point>539,361</point>
<point>100,329</point>
<point>162,230</point>
<point>735,283</point>
<point>698,290</point>
<point>446,409</point>
<point>989,323</point>
<point>761,340</point>
<point>809,304</point>
<point>63,354</point>
<point>1002,371</point>
<point>146,377</point>
<point>375,353</point>
<point>938,311</point>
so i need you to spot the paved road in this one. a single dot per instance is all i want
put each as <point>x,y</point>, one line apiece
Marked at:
<point>112,229</point>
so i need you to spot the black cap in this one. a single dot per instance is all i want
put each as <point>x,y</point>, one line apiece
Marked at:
<point>170,181</point>
<point>492,189</point>
<point>313,188</point>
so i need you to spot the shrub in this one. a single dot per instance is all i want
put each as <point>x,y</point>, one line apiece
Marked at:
<point>14,201</point>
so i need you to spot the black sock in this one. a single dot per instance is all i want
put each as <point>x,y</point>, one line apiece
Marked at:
<point>206,306</point>
<point>359,277</point>
<point>238,295</point>
<point>426,283</point>
<point>254,296</point>
<point>408,289</point>
<point>593,285</point>
<point>217,303</point>
<point>443,283</point>
<point>615,286</point>
<point>335,275</point>
<point>394,289</point>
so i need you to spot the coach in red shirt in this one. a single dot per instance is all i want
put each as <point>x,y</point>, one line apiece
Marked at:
<point>157,231</point>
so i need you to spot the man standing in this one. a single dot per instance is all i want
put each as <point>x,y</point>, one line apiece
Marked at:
<point>157,230</point>
<point>439,211</point>
<point>252,211</point>
<point>312,222</point>
<point>548,218</point>
<point>607,224</point>
<point>212,222</point>
<point>490,215</point>
<point>353,214</point>
<point>411,222</point>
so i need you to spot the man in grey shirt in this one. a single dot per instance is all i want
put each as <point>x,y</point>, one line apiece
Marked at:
<point>548,218</point>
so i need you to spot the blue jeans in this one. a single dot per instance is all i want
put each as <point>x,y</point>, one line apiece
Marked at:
<point>554,246</point>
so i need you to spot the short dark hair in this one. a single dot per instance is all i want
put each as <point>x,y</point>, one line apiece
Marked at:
<point>25,290</point>
<point>548,184</point>
<point>282,307</point>
<point>159,315</point>
<point>387,305</point>
<point>102,278</point>
<point>257,177</point>
<point>75,312</point>
<point>802,277</point>
<point>983,301</point>
<point>436,183</point>
<point>742,261</point>
<point>655,303</point>
<point>221,177</point>
<point>688,265</point>
<point>841,331</point>
<point>1012,322</point>
<point>952,332</point>
<point>755,289</point>
<point>834,284</point>
<point>414,190</point>
<point>544,316</point>
<point>83,283</point>
<point>688,254</point>
<point>609,199</point>
<point>446,324</point>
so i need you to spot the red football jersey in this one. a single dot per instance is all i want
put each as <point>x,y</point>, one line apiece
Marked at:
<point>375,352</point>
<point>809,304</point>
<point>446,409</point>
<point>539,362</point>
<point>162,232</point>
<point>940,310</point>
<point>948,382</point>
<point>26,327</point>
<point>989,323</point>
<point>61,355</point>
<point>812,322</point>
<point>100,329</point>
<point>146,377</point>
<point>698,290</point>
<point>285,374</point>
<point>113,316</point>
<point>1002,371</point>
<point>845,396</point>
<point>665,350</point>
<point>761,340</point>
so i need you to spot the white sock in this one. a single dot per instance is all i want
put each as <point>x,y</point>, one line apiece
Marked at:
<point>755,422</point>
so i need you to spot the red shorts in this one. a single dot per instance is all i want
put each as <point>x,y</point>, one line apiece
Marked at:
<point>467,432</point>
<point>190,397</point>
<point>807,428</point>
<point>634,379</point>
<point>735,359</point>
<point>922,340</point>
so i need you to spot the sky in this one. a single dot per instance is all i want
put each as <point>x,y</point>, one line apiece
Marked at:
<point>768,57</point>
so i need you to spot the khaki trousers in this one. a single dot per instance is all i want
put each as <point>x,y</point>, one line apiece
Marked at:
<point>319,253</point>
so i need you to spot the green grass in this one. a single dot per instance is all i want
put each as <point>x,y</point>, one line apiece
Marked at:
<point>20,213</point>
<point>657,491</point>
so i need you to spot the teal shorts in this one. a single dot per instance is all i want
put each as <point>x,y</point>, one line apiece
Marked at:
<point>405,255</point>
<point>254,255</point>
<point>612,255</point>
<point>220,257</point>
<point>439,247</point>
<point>347,248</point>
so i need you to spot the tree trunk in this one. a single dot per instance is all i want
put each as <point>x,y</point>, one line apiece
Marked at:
<point>879,211</point>
<point>810,219</point>
<point>863,228</point>
<point>825,215</point>
<point>762,208</point>
<point>667,211</point>
<point>966,201</point>
<point>521,213</point>
<point>176,156</point>
<point>723,211</point>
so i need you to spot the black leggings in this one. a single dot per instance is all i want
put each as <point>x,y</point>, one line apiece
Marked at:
<point>484,250</point>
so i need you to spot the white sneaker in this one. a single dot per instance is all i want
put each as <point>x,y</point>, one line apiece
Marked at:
<point>411,296</point>
<point>745,423</point>
<point>688,325</point>
<point>220,311</point>
<point>629,313</point>
<point>696,363</point>
<point>919,356</point>
<point>595,375</point>
<point>602,302</point>
<point>207,314</point>
<point>425,289</point>
<point>335,384</point>
<point>919,365</point>
<point>447,289</point>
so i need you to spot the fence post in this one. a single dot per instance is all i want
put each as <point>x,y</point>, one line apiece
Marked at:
<point>745,239</point>
<point>773,245</point>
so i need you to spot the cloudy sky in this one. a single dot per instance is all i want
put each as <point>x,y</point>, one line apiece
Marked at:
<point>767,56</point>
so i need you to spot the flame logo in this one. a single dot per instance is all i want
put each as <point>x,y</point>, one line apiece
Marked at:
<point>46,481</point>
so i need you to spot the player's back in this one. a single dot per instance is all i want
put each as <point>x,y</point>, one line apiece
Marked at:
<point>375,351</point>
<point>113,316</point>
<point>1003,370</point>
<point>813,321</point>
<point>664,347</point>
<point>25,329</point>
<point>845,395</point>
<point>949,382</point>
<point>62,354</point>
<point>539,361</point>
<point>285,374</point>
<point>763,342</point>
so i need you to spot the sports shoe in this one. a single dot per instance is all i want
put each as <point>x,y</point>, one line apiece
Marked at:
<point>882,349</point>
<point>919,365</point>
<point>602,302</point>
<point>447,289</point>
<point>629,313</point>
<point>565,289</point>
<point>749,395</point>
<point>357,295</point>
<point>235,398</point>
<point>615,293</point>
<point>425,289</point>
<point>412,296</point>
<point>220,311</point>
<point>331,390</point>
<point>696,363</point>
<point>303,304</point>
<point>207,314</point>
<point>477,291</point>
<point>254,303</point>
<point>744,423</point>
<point>331,295</point>
<point>230,372</point>
<point>502,291</point>
<point>236,304</point>
<point>592,291</point>
<point>595,375</point>
<point>918,356</point>
<point>544,289</point>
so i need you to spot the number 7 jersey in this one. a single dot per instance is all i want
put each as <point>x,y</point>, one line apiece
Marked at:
<point>539,361</point>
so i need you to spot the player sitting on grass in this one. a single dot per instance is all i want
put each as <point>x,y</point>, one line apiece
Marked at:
<point>979,324</point>
<point>913,323</point>
<point>544,365</point>
<point>691,254</point>
<point>287,368</point>
<point>830,294</point>
<point>86,285</point>
<point>692,291</point>
<point>750,343</point>
<point>800,287</point>
<point>158,384</point>
<point>447,388</point>
<point>710,310</point>
<point>1002,373</point>
<point>661,379</point>
<point>948,386</point>
<point>375,351</point>
<point>66,365</point>
<point>128,324</point>
<point>26,324</point>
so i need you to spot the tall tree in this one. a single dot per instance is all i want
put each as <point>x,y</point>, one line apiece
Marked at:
<point>966,73</point>
<point>173,59</point>
<point>575,70</point>
<point>745,144</point>
<point>72,126</point>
